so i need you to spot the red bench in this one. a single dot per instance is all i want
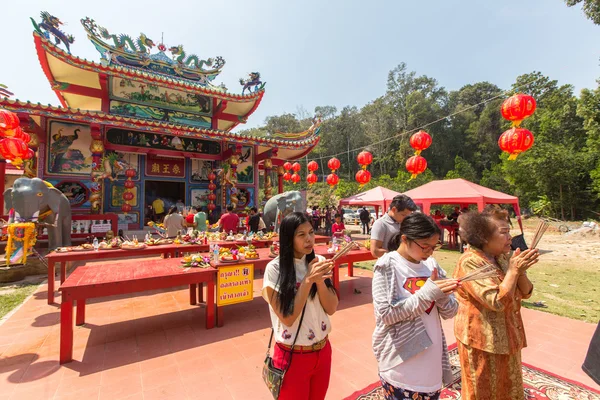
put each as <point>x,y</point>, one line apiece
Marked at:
<point>131,276</point>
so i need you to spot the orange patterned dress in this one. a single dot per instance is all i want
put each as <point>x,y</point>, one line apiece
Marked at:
<point>489,330</point>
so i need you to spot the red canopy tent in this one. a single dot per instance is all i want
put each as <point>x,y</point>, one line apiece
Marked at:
<point>462,192</point>
<point>376,197</point>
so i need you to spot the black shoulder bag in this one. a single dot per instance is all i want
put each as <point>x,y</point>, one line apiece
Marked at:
<point>273,376</point>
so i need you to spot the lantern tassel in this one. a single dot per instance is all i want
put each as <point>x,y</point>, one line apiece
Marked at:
<point>413,176</point>
<point>516,124</point>
<point>418,152</point>
<point>513,156</point>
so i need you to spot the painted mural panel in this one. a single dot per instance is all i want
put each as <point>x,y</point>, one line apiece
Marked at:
<point>155,141</point>
<point>69,149</point>
<point>116,163</point>
<point>199,197</point>
<point>158,114</point>
<point>77,191</point>
<point>116,199</point>
<point>245,169</point>
<point>158,96</point>
<point>245,197</point>
<point>200,170</point>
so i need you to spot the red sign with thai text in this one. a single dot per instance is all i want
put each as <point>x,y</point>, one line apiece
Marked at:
<point>159,166</point>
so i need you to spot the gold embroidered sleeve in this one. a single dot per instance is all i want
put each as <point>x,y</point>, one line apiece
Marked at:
<point>484,291</point>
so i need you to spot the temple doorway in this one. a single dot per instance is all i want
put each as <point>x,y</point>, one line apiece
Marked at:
<point>168,191</point>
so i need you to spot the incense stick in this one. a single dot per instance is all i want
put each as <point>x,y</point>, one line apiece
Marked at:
<point>542,226</point>
<point>343,251</point>
<point>486,271</point>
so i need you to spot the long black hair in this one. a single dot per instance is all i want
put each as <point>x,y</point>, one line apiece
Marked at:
<point>415,226</point>
<point>286,282</point>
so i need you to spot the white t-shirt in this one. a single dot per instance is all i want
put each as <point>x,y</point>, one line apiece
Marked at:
<point>423,372</point>
<point>315,325</point>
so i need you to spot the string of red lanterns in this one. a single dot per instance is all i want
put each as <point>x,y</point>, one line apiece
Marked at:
<point>295,176</point>
<point>517,140</point>
<point>128,192</point>
<point>363,176</point>
<point>287,176</point>
<point>416,164</point>
<point>312,178</point>
<point>211,192</point>
<point>333,164</point>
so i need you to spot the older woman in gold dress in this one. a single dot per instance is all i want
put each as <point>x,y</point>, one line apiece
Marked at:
<point>488,325</point>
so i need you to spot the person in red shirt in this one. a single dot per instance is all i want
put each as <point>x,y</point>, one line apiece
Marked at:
<point>189,219</point>
<point>229,221</point>
<point>337,229</point>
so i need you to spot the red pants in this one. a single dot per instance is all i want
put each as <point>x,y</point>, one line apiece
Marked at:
<point>308,376</point>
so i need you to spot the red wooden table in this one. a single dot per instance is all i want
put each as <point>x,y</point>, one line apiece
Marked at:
<point>127,277</point>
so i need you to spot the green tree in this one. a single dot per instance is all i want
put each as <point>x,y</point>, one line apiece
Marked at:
<point>462,169</point>
<point>591,8</point>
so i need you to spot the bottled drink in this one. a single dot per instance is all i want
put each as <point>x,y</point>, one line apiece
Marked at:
<point>95,244</point>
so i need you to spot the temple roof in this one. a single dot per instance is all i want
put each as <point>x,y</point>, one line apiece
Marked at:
<point>287,148</point>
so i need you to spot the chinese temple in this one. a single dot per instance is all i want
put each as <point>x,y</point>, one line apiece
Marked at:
<point>146,121</point>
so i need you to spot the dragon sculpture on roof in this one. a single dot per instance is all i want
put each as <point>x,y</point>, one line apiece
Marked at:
<point>252,82</point>
<point>123,50</point>
<point>314,130</point>
<point>50,26</point>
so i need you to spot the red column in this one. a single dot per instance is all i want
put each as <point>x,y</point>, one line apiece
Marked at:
<point>2,183</point>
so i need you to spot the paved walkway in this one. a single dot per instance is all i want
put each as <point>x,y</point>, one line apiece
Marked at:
<point>155,347</point>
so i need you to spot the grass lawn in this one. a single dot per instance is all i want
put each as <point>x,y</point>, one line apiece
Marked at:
<point>13,294</point>
<point>568,288</point>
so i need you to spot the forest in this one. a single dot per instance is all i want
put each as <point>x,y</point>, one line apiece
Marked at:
<point>559,176</point>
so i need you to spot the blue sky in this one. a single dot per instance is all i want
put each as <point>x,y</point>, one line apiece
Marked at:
<point>338,53</point>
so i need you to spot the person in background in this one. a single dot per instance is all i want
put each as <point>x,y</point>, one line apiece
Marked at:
<point>298,288</point>
<point>488,326</point>
<point>338,227</point>
<point>200,219</point>
<point>438,215</point>
<point>189,218</point>
<point>180,206</point>
<point>328,221</point>
<point>410,294</point>
<point>387,226</point>
<point>316,217</point>
<point>174,222</point>
<point>365,218</point>
<point>253,220</point>
<point>158,206</point>
<point>229,221</point>
<point>455,214</point>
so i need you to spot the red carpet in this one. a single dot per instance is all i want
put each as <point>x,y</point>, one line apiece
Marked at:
<point>538,384</point>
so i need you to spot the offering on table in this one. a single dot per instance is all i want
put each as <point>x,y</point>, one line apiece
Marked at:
<point>110,245</point>
<point>132,245</point>
<point>367,244</point>
<point>274,250</point>
<point>196,261</point>
<point>157,242</point>
<point>229,255</point>
<point>251,255</point>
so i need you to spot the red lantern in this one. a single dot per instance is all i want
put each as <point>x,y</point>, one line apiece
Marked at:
<point>296,167</point>
<point>287,166</point>
<point>212,197</point>
<point>287,176</point>
<point>8,120</point>
<point>420,141</point>
<point>312,178</point>
<point>29,155</point>
<point>128,196</point>
<point>295,178</point>
<point>211,206</point>
<point>332,179</point>
<point>212,177</point>
<point>364,158</point>
<point>416,165</point>
<point>334,164</point>
<point>130,173</point>
<point>518,107</point>
<point>26,138</point>
<point>363,177</point>
<point>312,166</point>
<point>515,141</point>
<point>11,148</point>
<point>212,186</point>
<point>126,208</point>
<point>129,184</point>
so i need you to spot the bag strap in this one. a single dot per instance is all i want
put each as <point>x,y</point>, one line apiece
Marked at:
<point>295,338</point>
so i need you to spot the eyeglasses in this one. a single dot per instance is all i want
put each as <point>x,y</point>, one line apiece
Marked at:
<point>435,247</point>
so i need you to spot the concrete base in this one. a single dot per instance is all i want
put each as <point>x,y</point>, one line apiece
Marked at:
<point>18,272</point>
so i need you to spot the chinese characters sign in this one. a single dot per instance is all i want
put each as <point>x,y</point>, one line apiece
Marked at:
<point>235,284</point>
<point>168,167</point>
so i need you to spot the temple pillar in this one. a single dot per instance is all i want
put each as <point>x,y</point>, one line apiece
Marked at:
<point>268,184</point>
<point>280,172</point>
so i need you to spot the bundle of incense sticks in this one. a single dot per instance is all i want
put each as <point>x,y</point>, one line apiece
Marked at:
<point>539,232</point>
<point>344,250</point>
<point>487,271</point>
